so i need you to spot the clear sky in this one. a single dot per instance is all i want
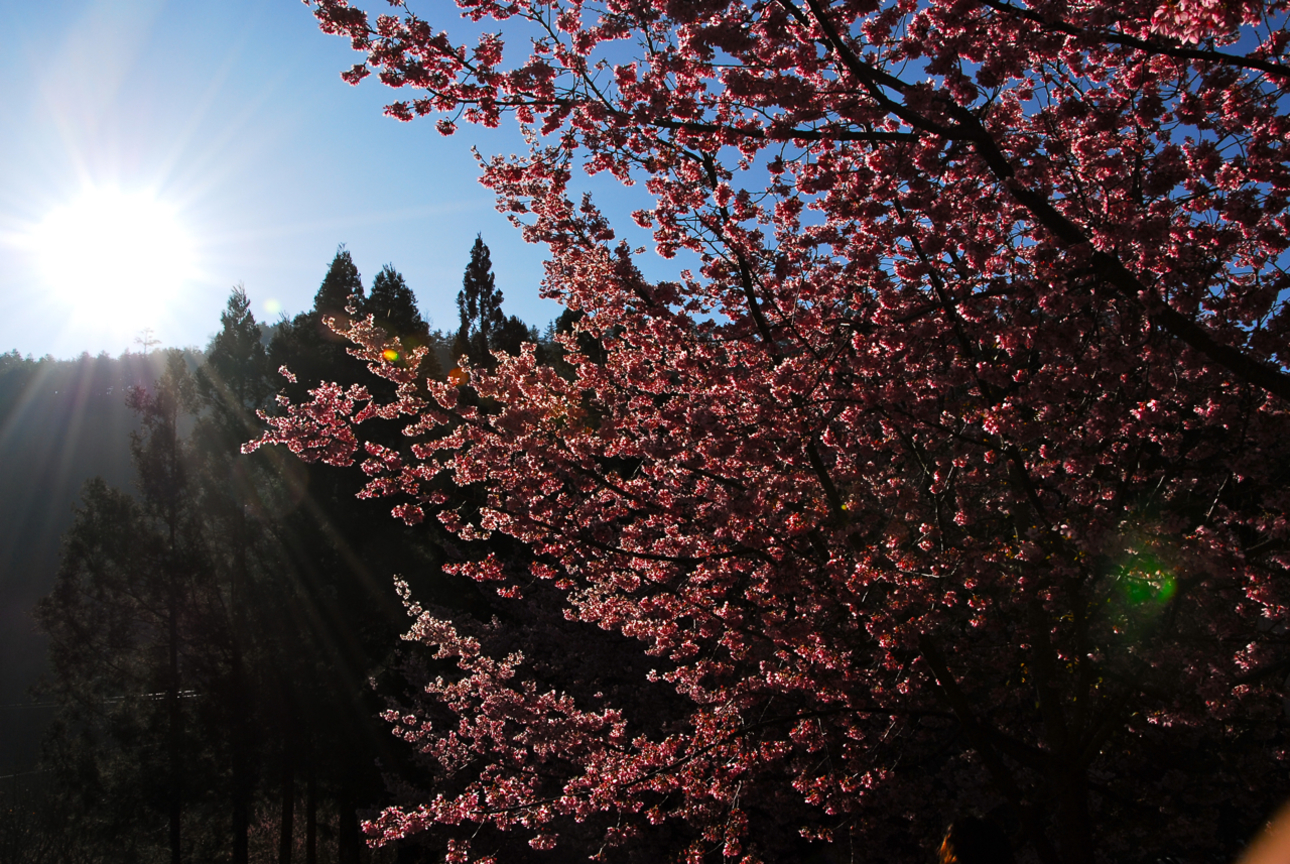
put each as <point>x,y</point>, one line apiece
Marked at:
<point>157,152</point>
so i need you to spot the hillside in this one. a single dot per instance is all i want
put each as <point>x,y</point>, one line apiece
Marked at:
<point>61,423</point>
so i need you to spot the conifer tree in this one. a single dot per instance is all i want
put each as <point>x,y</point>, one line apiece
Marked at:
<point>163,483</point>
<point>308,345</point>
<point>480,305</point>
<point>393,307</point>
<point>334,547</point>
<point>234,380</point>
<point>233,384</point>
<point>341,286</point>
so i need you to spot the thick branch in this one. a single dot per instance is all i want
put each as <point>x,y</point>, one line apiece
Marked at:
<point>773,133</point>
<point>1146,45</point>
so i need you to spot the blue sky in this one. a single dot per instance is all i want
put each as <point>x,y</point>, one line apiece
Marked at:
<point>233,115</point>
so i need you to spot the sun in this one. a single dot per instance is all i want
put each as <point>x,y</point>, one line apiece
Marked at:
<point>114,257</point>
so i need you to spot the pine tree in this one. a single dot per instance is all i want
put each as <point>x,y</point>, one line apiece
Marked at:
<point>511,335</point>
<point>234,380</point>
<point>307,345</point>
<point>480,305</point>
<point>393,307</point>
<point>106,624</point>
<point>163,482</point>
<point>341,287</point>
<point>233,384</point>
<point>340,553</point>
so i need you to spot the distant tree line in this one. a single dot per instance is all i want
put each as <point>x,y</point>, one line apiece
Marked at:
<point>224,639</point>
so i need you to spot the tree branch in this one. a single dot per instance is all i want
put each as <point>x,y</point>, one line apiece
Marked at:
<point>1146,45</point>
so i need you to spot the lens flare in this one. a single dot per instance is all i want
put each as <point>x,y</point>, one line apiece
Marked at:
<point>1146,581</point>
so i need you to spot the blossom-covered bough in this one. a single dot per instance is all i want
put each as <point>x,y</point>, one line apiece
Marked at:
<point>953,478</point>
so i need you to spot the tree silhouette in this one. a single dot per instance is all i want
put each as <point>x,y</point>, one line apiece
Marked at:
<point>393,306</point>
<point>233,384</point>
<point>339,552</point>
<point>341,287</point>
<point>479,303</point>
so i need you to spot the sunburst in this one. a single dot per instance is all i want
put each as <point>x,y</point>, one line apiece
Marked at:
<point>114,257</point>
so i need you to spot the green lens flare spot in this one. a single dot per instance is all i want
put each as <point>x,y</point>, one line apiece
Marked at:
<point>1144,580</point>
<point>1166,590</point>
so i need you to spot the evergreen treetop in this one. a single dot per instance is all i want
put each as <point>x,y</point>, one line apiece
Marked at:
<point>393,307</point>
<point>341,282</point>
<point>234,377</point>
<point>480,305</point>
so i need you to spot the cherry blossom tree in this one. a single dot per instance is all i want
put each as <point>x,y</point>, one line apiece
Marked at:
<point>951,478</point>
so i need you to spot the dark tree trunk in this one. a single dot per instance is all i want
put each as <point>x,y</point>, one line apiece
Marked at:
<point>242,703</point>
<point>1074,827</point>
<point>241,806</point>
<point>311,814</point>
<point>241,782</point>
<point>174,720</point>
<point>348,840</point>
<point>285,835</point>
